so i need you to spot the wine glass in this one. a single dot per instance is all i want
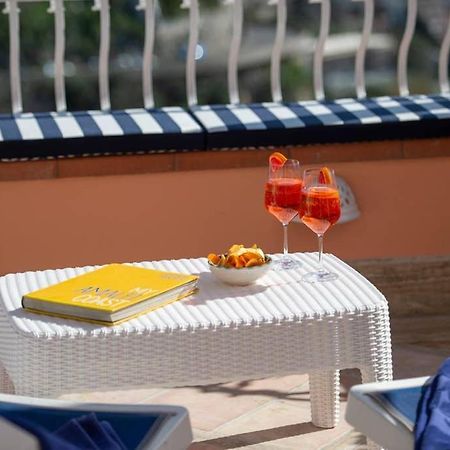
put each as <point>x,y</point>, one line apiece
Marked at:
<point>282,199</point>
<point>320,209</point>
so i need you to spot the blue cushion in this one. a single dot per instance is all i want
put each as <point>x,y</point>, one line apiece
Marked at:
<point>206,127</point>
<point>266,124</point>
<point>401,403</point>
<point>131,427</point>
<point>432,430</point>
<point>92,132</point>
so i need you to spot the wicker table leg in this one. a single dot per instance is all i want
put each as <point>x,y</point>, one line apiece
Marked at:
<point>381,358</point>
<point>324,392</point>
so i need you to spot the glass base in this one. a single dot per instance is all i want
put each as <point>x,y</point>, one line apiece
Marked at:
<point>319,277</point>
<point>286,263</point>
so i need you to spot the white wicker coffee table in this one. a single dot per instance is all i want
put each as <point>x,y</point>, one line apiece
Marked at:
<point>275,327</point>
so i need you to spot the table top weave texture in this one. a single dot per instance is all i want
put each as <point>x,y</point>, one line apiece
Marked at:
<point>274,298</point>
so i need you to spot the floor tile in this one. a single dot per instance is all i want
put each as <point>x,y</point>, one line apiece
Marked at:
<point>277,425</point>
<point>123,396</point>
<point>230,400</point>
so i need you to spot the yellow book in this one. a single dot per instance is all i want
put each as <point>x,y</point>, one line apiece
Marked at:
<point>110,294</point>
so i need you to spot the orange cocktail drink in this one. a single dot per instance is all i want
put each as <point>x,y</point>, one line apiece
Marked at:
<point>320,208</point>
<point>282,198</point>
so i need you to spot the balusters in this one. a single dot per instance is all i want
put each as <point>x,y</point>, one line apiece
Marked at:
<point>103,69</point>
<point>191,82</point>
<point>325,14</point>
<point>443,61</point>
<point>12,10</point>
<point>235,46</point>
<point>277,50</point>
<point>148,6</point>
<point>360,82</point>
<point>402,66</point>
<point>57,8</point>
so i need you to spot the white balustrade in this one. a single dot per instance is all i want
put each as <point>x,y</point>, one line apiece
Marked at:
<point>191,81</point>
<point>235,46</point>
<point>277,51</point>
<point>102,6</point>
<point>360,82</point>
<point>443,61</point>
<point>56,7</point>
<point>402,65</point>
<point>12,10</point>
<point>148,6</point>
<point>325,15</point>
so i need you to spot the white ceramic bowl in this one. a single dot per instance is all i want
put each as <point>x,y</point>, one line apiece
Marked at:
<point>242,276</point>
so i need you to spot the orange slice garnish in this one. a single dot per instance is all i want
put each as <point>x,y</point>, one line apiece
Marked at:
<point>276,160</point>
<point>325,176</point>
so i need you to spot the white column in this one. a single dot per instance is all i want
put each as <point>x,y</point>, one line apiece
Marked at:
<point>402,66</point>
<point>103,70</point>
<point>148,6</point>
<point>277,50</point>
<point>443,61</point>
<point>12,10</point>
<point>325,13</point>
<point>360,82</point>
<point>235,46</point>
<point>191,81</point>
<point>57,8</point>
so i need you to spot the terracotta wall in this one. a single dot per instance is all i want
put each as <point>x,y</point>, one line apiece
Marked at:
<point>405,211</point>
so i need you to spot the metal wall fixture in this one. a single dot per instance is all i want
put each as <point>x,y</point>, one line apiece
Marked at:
<point>349,206</point>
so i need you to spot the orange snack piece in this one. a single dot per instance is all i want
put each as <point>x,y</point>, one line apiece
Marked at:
<point>213,258</point>
<point>238,256</point>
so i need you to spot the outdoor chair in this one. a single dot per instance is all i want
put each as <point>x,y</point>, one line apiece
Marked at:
<point>386,412</point>
<point>143,427</point>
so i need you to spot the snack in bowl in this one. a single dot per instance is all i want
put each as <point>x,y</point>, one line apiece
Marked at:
<point>240,265</point>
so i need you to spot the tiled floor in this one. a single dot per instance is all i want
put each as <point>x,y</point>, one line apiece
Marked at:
<point>274,414</point>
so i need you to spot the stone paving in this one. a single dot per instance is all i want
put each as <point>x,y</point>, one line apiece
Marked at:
<point>274,414</point>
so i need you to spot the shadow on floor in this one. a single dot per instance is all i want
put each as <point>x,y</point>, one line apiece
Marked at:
<point>349,377</point>
<point>256,437</point>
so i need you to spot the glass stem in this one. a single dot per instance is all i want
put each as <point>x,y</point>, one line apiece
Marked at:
<point>320,239</point>
<point>285,241</point>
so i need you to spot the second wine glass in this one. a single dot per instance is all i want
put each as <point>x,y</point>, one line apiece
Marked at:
<point>320,209</point>
<point>282,199</point>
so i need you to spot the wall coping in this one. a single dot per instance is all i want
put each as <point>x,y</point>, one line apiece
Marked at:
<point>55,168</point>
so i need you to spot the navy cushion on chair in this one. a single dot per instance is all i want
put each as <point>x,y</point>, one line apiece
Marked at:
<point>131,427</point>
<point>93,132</point>
<point>344,120</point>
<point>401,403</point>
